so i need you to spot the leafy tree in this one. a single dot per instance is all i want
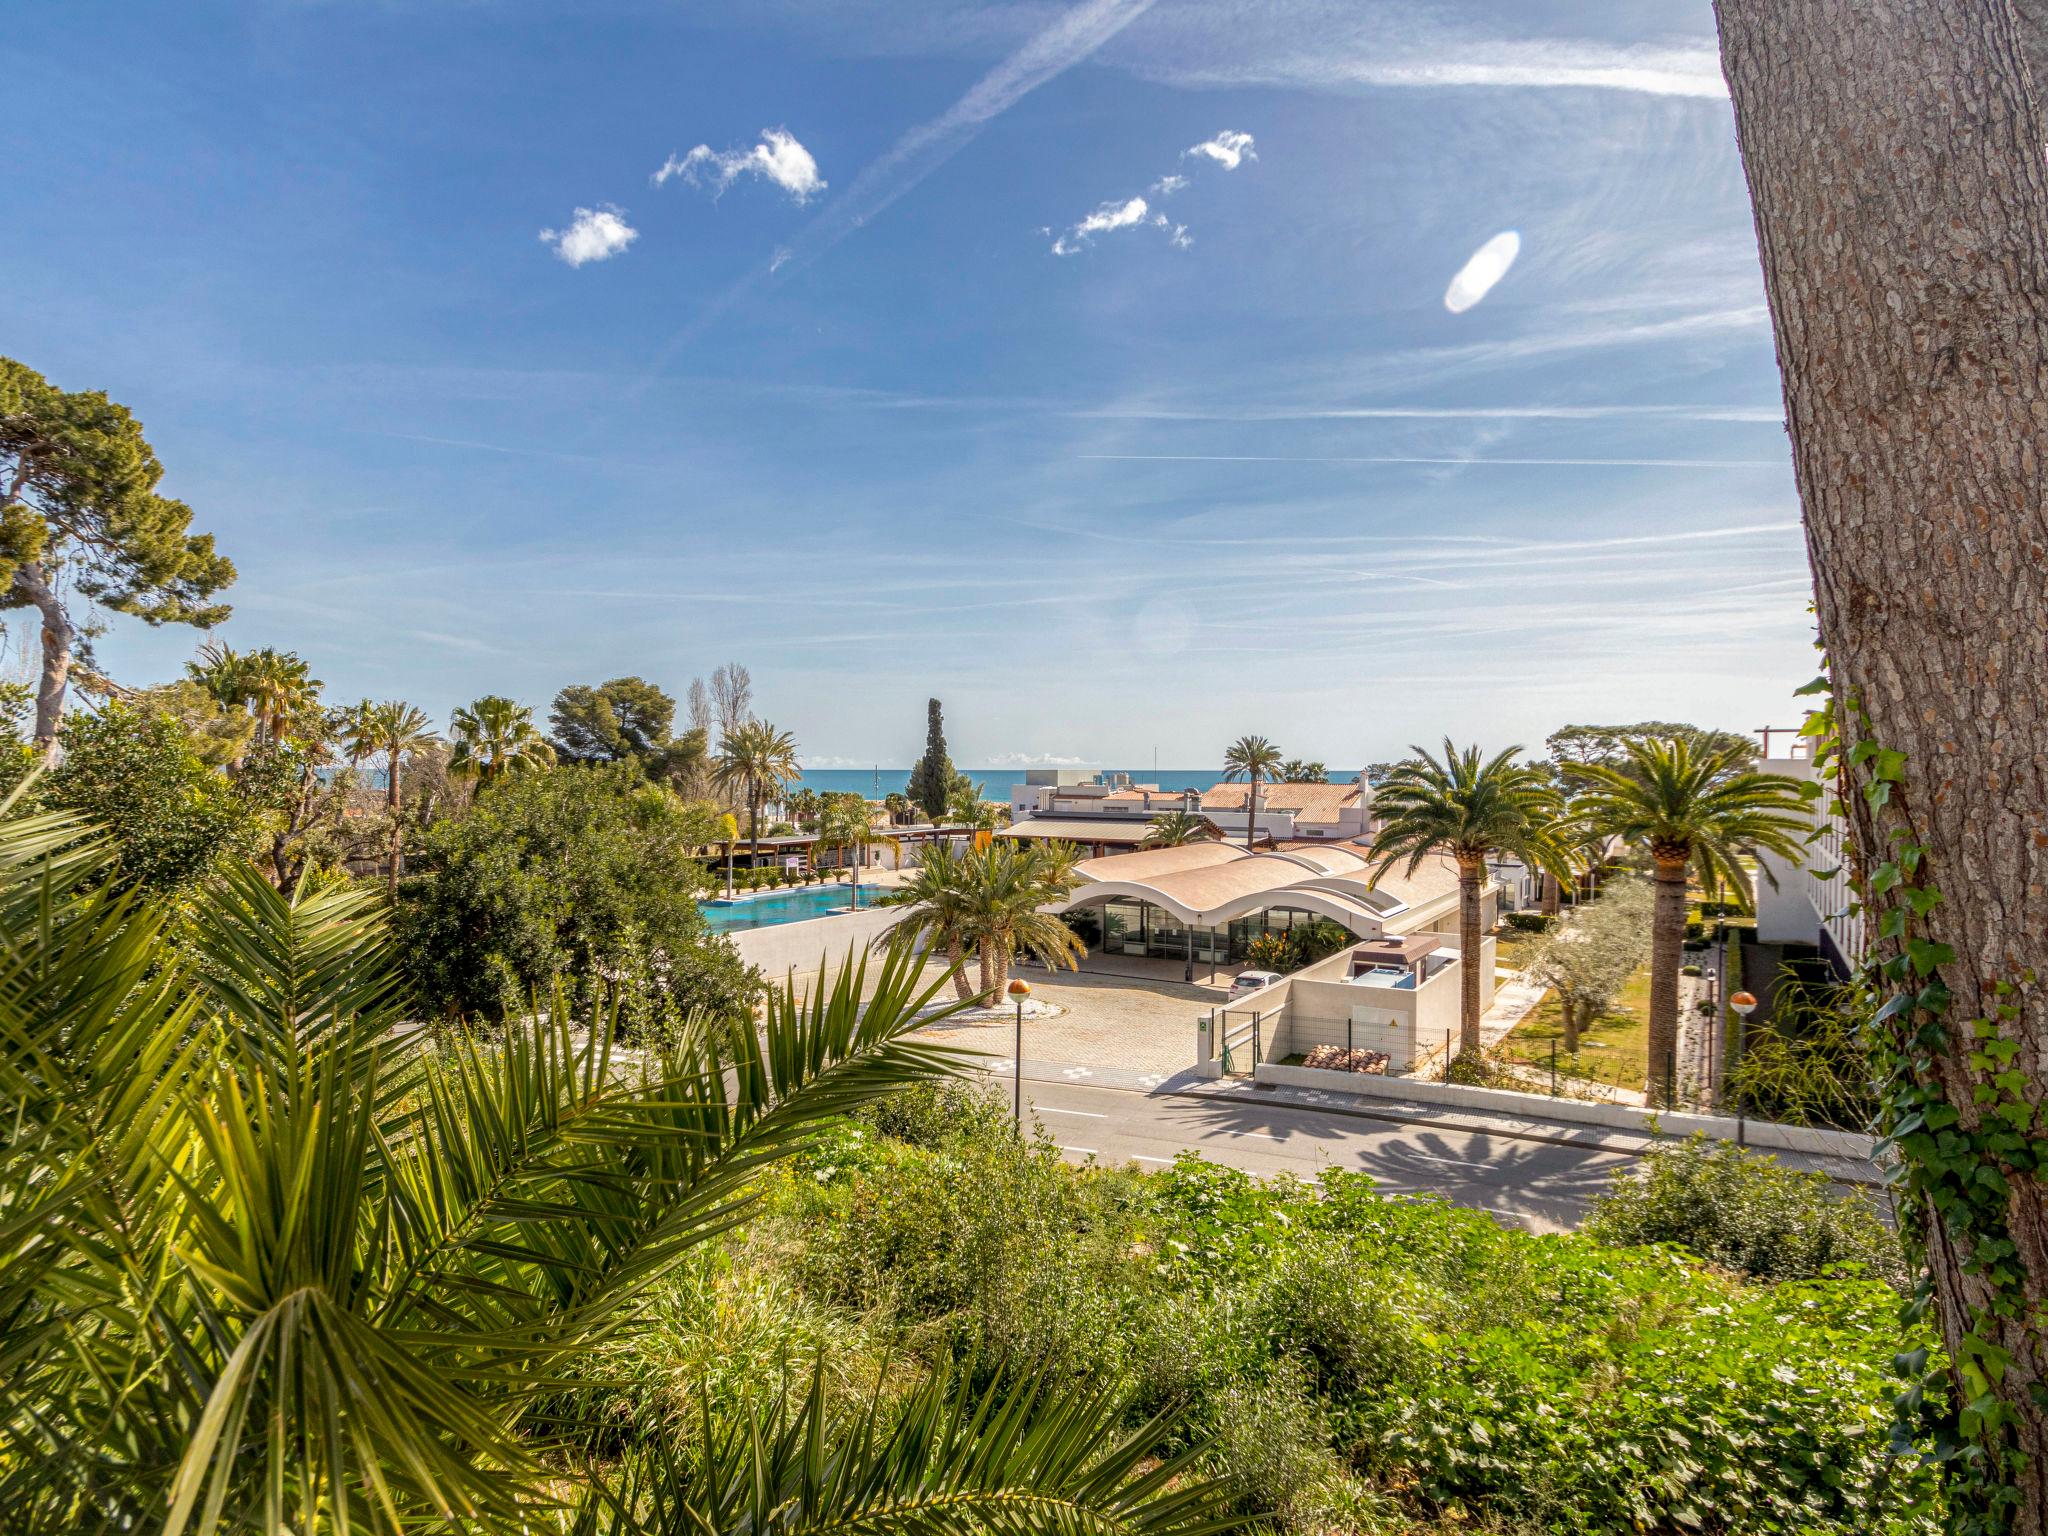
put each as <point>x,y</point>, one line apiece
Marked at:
<point>755,760</point>
<point>627,718</point>
<point>496,738</point>
<point>78,506</point>
<point>932,779</point>
<point>1469,809</point>
<point>1693,814</point>
<point>1574,746</point>
<point>1249,759</point>
<point>587,877</point>
<point>1588,963</point>
<point>171,817</point>
<point>1177,828</point>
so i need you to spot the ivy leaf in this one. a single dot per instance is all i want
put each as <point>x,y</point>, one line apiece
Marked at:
<point>1807,690</point>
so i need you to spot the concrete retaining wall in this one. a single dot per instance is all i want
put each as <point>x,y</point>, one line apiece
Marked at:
<point>1538,1106</point>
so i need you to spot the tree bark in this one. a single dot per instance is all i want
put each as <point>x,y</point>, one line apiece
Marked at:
<point>1574,1018</point>
<point>988,970</point>
<point>1471,876</point>
<point>956,959</point>
<point>1553,895</point>
<point>59,635</point>
<point>1667,954</point>
<point>1894,156</point>
<point>397,828</point>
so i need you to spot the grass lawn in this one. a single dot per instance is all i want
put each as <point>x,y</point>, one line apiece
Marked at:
<point>1614,1050</point>
<point>1512,947</point>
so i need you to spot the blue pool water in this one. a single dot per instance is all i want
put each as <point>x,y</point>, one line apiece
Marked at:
<point>783,907</point>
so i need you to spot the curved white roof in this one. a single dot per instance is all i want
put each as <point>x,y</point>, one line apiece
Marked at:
<point>1209,884</point>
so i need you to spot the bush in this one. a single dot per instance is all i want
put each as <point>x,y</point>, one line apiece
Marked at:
<point>1747,1211</point>
<point>1688,970</point>
<point>581,876</point>
<point>1529,922</point>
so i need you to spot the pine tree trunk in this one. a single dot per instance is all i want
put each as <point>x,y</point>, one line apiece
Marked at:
<point>1894,156</point>
<point>1471,875</point>
<point>1667,954</point>
<point>58,637</point>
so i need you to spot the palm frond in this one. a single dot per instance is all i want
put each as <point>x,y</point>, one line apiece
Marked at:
<point>1017,1458</point>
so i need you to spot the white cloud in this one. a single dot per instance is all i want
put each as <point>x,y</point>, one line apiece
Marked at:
<point>594,234</point>
<point>1110,216</point>
<point>1487,266</point>
<point>1036,760</point>
<point>1229,149</point>
<point>778,158</point>
<point>1692,72</point>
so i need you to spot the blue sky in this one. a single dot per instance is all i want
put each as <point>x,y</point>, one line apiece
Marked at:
<point>905,397</point>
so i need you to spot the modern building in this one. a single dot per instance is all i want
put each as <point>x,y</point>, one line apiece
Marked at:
<point>1387,1006</point>
<point>1108,812</point>
<point>1204,903</point>
<point>1812,901</point>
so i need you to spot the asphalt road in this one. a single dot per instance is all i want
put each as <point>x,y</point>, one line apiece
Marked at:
<point>1539,1185</point>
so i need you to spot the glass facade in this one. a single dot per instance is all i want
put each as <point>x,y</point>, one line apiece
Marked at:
<point>1139,928</point>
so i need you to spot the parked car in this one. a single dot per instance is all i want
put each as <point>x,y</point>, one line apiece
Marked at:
<point>1251,981</point>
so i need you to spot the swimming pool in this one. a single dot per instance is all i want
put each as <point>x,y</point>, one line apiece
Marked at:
<point>795,906</point>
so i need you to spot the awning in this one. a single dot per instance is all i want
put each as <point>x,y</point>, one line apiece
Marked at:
<point>1079,829</point>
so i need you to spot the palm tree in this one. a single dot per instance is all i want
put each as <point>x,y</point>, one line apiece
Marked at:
<point>1250,758</point>
<point>1297,771</point>
<point>495,737</point>
<point>1177,828</point>
<point>728,834</point>
<point>1469,810</point>
<point>276,1264</point>
<point>394,728</point>
<point>850,825</point>
<point>1005,885</point>
<point>756,760</point>
<point>281,691</point>
<point>937,895</point>
<point>1693,812</point>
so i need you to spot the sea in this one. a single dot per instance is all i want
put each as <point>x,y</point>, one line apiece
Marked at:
<point>995,782</point>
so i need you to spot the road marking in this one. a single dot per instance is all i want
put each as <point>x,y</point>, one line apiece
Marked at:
<point>1139,1157</point>
<point>1051,1109</point>
<point>1262,1135</point>
<point>1084,1151</point>
<point>1424,1157</point>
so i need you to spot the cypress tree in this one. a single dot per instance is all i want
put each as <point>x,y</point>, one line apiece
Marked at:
<point>931,781</point>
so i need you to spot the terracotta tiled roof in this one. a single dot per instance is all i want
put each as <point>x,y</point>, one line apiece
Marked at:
<point>1314,802</point>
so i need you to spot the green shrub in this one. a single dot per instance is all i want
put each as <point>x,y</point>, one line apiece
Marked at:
<point>1530,922</point>
<point>581,876</point>
<point>1747,1211</point>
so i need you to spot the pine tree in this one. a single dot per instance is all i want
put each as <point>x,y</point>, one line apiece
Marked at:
<point>931,781</point>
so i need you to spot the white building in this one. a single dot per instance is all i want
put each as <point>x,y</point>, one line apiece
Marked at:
<point>1108,811</point>
<point>1812,901</point>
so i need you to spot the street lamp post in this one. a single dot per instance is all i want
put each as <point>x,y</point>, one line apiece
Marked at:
<point>1744,1004</point>
<point>1019,990</point>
